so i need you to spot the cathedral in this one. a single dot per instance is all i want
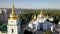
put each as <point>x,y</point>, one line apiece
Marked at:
<point>40,23</point>
<point>13,26</point>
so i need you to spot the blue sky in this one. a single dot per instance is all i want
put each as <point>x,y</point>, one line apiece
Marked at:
<point>31,4</point>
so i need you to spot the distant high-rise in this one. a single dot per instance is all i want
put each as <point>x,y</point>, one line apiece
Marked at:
<point>3,15</point>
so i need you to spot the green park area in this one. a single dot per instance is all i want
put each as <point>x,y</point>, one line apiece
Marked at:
<point>3,27</point>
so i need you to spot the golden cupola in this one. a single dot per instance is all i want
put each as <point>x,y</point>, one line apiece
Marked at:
<point>41,13</point>
<point>13,15</point>
<point>47,16</point>
<point>34,16</point>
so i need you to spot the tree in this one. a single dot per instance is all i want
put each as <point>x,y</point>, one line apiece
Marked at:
<point>56,20</point>
<point>26,32</point>
<point>48,32</point>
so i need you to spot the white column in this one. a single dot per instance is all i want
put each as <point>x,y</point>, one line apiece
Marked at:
<point>36,27</point>
<point>52,28</point>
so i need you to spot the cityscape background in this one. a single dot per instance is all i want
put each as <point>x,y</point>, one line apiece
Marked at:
<point>31,4</point>
<point>34,16</point>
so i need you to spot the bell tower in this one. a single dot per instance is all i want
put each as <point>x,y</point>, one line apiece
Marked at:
<point>13,26</point>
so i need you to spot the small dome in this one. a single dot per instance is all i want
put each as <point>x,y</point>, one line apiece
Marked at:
<point>13,15</point>
<point>41,14</point>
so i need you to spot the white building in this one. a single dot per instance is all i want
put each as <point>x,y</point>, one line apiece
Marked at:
<point>18,11</point>
<point>51,19</point>
<point>13,26</point>
<point>3,15</point>
<point>59,22</point>
<point>40,23</point>
<point>0,11</point>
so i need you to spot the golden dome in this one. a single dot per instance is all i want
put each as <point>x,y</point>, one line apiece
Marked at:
<point>41,13</point>
<point>13,15</point>
<point>34,16</point>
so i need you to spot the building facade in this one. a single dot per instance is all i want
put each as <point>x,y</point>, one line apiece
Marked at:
<point>40,23</point>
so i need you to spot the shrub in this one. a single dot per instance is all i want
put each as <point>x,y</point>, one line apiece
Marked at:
<point>48,32</point>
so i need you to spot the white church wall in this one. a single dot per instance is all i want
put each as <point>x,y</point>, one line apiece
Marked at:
<point>59,22</point>
<point>35,26</point>
<point>44,26</point>
<point>30,25</point>
<point>12,22</point>
<point>38,27</point>
<point>9,29</point>
<point>52,28</point>
<point>51,19</point>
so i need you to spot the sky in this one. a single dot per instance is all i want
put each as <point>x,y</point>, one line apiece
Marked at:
<point>35,4</point>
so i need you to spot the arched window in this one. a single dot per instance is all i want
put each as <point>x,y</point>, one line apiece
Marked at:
<point>12,31</point>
